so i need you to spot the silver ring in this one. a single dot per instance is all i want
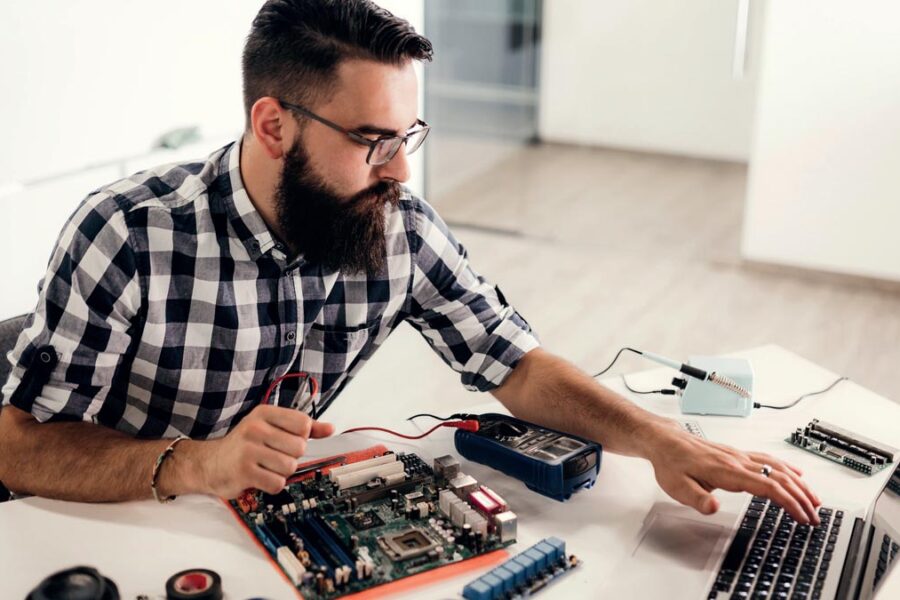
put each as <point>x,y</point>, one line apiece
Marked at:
<point>766,470</point>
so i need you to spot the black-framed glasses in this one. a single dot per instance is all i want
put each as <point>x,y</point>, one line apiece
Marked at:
<point>384,147</point>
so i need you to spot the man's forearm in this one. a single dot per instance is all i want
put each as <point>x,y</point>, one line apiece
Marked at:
<point>560,396</point>
<point>90,463</point>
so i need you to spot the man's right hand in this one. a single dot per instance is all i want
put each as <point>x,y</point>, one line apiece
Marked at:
<point>261,452</point>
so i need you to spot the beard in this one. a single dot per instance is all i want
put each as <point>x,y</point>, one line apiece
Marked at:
<point>339,233</point>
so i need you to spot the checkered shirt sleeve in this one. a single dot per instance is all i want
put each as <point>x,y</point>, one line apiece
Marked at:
<point>465,319</point>
<point>84,317</point>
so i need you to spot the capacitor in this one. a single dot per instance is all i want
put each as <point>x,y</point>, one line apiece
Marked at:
<point>320,583</point>
<point>318,474</point>
<point>354,542</point>
<point>468,536</point>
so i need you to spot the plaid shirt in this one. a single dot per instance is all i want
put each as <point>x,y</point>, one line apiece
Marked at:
<point>168,307</point>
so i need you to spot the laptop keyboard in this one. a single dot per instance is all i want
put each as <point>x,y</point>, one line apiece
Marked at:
<point>774,557</point>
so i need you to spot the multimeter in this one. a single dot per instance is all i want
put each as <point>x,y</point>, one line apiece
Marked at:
<point>549,462</point>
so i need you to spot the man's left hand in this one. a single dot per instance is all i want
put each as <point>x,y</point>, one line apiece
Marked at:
<point>689,468</point>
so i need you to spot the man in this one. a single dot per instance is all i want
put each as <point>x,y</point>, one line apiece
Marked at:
<point>175,297</point>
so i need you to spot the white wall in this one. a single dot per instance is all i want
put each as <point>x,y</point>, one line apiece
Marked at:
<point>823,181</point>
<point>88,82</point>
<point>648,75</point>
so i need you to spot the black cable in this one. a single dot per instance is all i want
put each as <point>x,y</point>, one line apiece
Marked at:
<point>462,416</point>
<point>795,402</point>
<point>664,391</point>
<point>429,415</point>
<point>313,410</point>
<point>618,354</point>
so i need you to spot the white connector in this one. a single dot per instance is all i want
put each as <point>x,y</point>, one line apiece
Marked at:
<point>290,564</point>
<point>363,464</point>
<point>354,478</point>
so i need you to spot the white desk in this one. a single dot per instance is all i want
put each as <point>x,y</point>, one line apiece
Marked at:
<point>140,544</point>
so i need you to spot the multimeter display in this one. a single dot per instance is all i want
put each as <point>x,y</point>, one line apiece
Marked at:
<point>550,462</point>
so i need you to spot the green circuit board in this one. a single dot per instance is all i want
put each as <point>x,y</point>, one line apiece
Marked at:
<point>843,447</point>
<point>332,538</point>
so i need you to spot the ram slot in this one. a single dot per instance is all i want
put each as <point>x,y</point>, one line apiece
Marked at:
<point>315,556</point>
<point>313,542</point>
<point>268,540</point>
<point>335,544</point>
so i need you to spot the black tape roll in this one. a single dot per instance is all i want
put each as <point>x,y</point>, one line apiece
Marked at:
<point>194,584</point>
<point>77,583</point>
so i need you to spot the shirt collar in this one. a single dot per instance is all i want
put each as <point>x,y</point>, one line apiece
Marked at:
<point>251,228</point>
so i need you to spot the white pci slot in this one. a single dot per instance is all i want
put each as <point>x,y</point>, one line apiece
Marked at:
<point>348,480</point>
<point>363,464</point>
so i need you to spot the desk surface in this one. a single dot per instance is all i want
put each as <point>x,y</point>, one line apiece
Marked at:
<point>140,544</point>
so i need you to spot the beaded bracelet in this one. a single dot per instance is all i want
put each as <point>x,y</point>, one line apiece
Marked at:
<point>159,461</point>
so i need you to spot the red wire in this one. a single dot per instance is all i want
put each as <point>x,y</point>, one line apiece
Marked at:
<point>313,384</point>
<point>468,425</point>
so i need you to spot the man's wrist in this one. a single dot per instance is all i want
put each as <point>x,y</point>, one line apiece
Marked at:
<point>655,437</point>
<point>185,471</point>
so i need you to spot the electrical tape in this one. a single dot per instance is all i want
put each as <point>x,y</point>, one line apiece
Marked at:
<point>194,584</point>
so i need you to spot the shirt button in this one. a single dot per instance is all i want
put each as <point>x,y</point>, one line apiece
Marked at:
<point>290,335</point>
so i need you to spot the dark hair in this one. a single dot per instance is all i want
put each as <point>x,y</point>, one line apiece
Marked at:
<point>295,46</point>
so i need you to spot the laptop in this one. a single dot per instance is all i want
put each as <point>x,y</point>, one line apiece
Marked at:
<point>681,554</point>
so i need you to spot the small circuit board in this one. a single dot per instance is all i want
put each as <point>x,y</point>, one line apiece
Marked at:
<point>844,447</point>
<point>349,523</point>
<point>524,574</point>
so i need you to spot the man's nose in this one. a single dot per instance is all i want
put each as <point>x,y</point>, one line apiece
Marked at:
<point>397,168</point>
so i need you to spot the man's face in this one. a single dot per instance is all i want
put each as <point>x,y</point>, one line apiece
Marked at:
<point>330,203</point>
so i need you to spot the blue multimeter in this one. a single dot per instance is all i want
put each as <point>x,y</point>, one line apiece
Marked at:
<point>550,462</point>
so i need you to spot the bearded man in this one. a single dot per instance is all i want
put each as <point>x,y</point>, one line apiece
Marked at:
<point>175,297</point>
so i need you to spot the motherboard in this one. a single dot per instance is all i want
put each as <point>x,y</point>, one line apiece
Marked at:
<point>349,523</point>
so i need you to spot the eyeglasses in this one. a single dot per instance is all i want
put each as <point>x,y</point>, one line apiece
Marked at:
<point>382,149</point>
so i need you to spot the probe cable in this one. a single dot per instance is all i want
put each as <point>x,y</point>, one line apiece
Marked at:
<point>462,416</point>
<point>468,425</point>
<point>311,385</point>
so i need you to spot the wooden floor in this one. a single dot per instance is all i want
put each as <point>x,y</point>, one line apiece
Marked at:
<point>617,249</point>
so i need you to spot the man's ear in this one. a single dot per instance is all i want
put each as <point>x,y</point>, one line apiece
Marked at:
<point>267,122</point>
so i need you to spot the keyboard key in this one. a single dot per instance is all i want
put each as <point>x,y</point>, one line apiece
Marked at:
<point>738,548</point>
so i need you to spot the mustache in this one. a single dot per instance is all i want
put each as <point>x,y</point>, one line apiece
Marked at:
<point>383,192</point>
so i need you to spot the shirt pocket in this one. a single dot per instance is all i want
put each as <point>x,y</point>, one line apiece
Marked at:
<point>341,340</point>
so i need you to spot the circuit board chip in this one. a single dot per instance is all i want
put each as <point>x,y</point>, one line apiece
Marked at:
<point>366,520</point>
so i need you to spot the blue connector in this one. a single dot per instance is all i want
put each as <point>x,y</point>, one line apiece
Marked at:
<point>537,562</point>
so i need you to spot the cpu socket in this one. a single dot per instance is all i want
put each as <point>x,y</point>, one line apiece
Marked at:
<point>406,544</point>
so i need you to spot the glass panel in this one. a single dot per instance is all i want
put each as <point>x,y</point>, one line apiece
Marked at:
<point>481,88</point>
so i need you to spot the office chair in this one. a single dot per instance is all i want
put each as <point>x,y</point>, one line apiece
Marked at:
<point>9,333</point>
